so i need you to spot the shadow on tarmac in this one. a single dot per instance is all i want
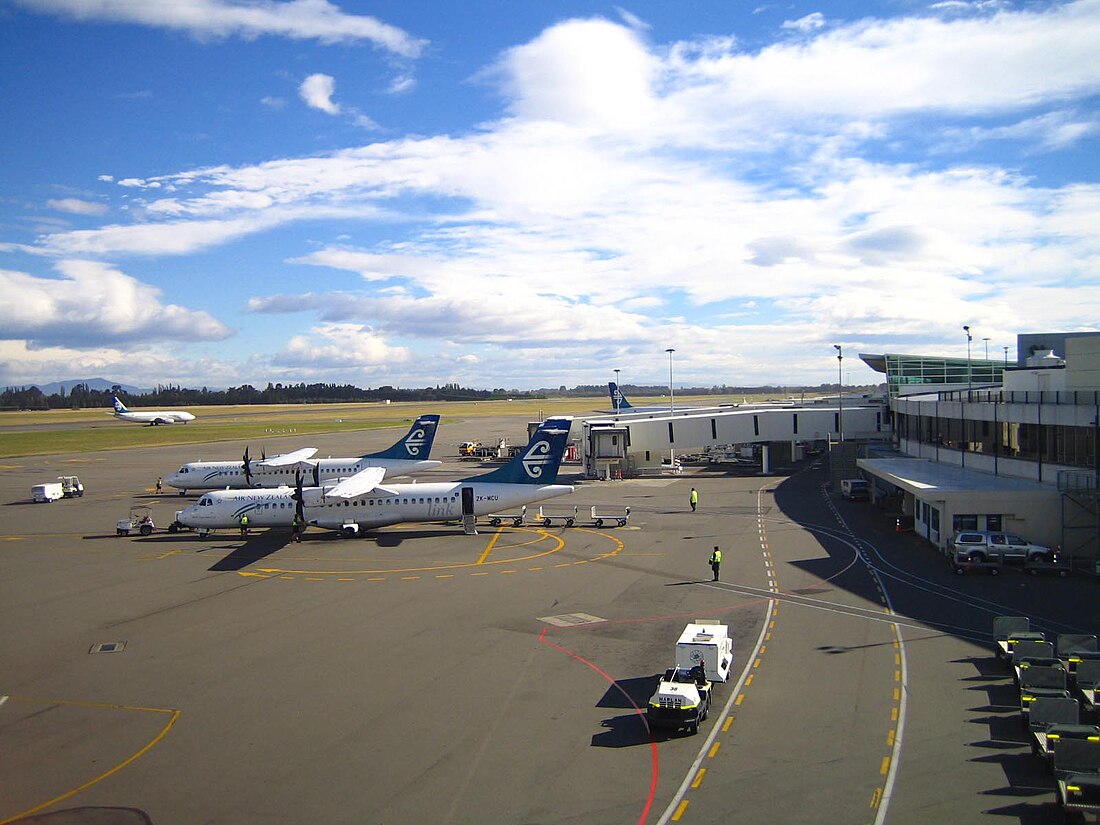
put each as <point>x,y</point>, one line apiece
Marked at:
<point>626,731</point>
<point>629,693</point>
<point>255,548</point>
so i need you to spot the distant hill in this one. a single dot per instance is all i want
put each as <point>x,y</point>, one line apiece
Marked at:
<point>98,384</point>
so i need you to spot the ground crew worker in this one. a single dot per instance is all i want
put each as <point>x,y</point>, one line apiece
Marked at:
<point>244,525</point>
<point>694,499</point>
<point>158,486</point>
<point>296,530</point>
<point>715,561</point>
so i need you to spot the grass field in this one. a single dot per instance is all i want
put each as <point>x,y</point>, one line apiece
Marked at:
<point>74,431</point>
<point>49,432</point>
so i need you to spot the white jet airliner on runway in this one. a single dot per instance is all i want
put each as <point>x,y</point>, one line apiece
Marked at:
<point>408,455</point>
<point>362,502</point>
<point>150,417</point>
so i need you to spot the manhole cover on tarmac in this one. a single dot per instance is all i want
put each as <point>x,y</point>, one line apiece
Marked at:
<point>108,647</point>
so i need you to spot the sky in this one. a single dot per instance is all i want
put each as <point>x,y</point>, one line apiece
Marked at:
<point>517,194</point>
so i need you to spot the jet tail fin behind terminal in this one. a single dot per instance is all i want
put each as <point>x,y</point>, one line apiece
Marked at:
<point>416,443</point>
<point>539,461</point>
<point>618,400</point>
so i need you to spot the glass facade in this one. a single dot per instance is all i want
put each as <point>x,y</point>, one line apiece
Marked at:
<point>910,370</point>
<point>1049,443</point>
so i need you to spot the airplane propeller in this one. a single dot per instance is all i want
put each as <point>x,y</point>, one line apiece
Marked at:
<point>317,474</point>
<point>299,499</point>
<point>247,466</point>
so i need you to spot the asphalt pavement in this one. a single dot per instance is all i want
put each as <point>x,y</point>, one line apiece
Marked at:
<point>422,675</point>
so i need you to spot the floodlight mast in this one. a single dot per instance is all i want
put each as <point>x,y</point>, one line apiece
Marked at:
<point>969,338</point>
<point>840,390</point>
<point>671,411</point>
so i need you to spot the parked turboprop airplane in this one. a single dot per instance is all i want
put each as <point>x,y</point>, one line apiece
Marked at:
<point>150,417</point>
<point>408,455</point>
<point>362,502</point>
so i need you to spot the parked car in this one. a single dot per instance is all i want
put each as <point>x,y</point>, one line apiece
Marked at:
<point>984,545</point>
<point>855,489</point>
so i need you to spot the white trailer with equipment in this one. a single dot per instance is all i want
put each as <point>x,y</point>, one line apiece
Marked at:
<point>46,493</point>
<point>704,655</point>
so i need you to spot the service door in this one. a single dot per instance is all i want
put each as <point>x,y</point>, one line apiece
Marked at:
<point>467,501</point>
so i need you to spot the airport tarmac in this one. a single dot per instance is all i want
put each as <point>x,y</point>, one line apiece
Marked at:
<point>422,675</point>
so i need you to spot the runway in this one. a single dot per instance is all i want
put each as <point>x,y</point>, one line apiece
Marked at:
<point>422,675</point>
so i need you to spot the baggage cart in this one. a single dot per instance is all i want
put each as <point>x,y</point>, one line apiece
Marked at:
<point>620,519</point>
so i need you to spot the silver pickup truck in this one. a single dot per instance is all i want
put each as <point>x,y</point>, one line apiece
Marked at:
<point>985,545</point>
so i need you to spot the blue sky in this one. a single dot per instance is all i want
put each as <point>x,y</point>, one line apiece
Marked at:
<point>521,194</point>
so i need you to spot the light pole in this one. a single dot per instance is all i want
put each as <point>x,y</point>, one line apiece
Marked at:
<point>1006,356</point>
<point>840,389</point>
<point>966,329</point>
<point>618,392</point>
<point>986,348</point>
<point>671,411</point>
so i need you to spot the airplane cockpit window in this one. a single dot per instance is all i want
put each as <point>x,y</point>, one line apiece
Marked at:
<point>205,501</point>
<point>183,470</point>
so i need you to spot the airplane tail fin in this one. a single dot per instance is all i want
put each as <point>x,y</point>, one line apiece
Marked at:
<point>416,443</point>
<point>618,400</point>
<point>539,461</point>
<point>118,405</point>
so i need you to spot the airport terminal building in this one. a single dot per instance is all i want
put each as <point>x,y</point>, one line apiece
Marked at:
<point>982,445</point>
<point>955,444</point>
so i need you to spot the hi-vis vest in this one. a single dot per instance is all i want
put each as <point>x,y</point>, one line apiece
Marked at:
<point>716,557</point>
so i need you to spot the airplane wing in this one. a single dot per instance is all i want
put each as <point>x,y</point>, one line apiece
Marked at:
<point>362,482</point>
<point>289,459</point>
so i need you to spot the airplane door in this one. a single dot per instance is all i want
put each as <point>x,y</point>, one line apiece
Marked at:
<point>467,501</point>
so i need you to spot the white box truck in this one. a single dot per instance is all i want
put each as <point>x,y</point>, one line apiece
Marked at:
<point>47,492</point>
<point>707,643</point>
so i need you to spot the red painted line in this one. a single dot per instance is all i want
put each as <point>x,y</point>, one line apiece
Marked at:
<point>652,742</point>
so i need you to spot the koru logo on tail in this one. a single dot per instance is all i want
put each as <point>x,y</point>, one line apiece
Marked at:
<point>536,459</point>
<point>415,441</point>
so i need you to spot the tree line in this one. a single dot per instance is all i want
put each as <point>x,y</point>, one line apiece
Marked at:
<point>82,396</point>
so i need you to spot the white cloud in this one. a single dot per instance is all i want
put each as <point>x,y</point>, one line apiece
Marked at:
<point>316,90</point>
<point>583,72</point>
<point>586,225</point>
<point>340,346</point>
<point>143,365</point>
<point>296,19</point>
<point>76,206</point>
<point>273,102</point>
<point>402,84</point>
<point>173,238</point>
<point>1049,132</point>
<point>487,317</point>
<point>809,23</point>
<point>92,305</point>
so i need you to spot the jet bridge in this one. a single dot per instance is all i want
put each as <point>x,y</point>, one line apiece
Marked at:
<point>633,446</point>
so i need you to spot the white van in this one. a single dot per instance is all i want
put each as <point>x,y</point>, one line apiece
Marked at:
<point>47,492</point>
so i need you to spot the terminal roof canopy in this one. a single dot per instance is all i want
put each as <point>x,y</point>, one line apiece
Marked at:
<point>925,478</point>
